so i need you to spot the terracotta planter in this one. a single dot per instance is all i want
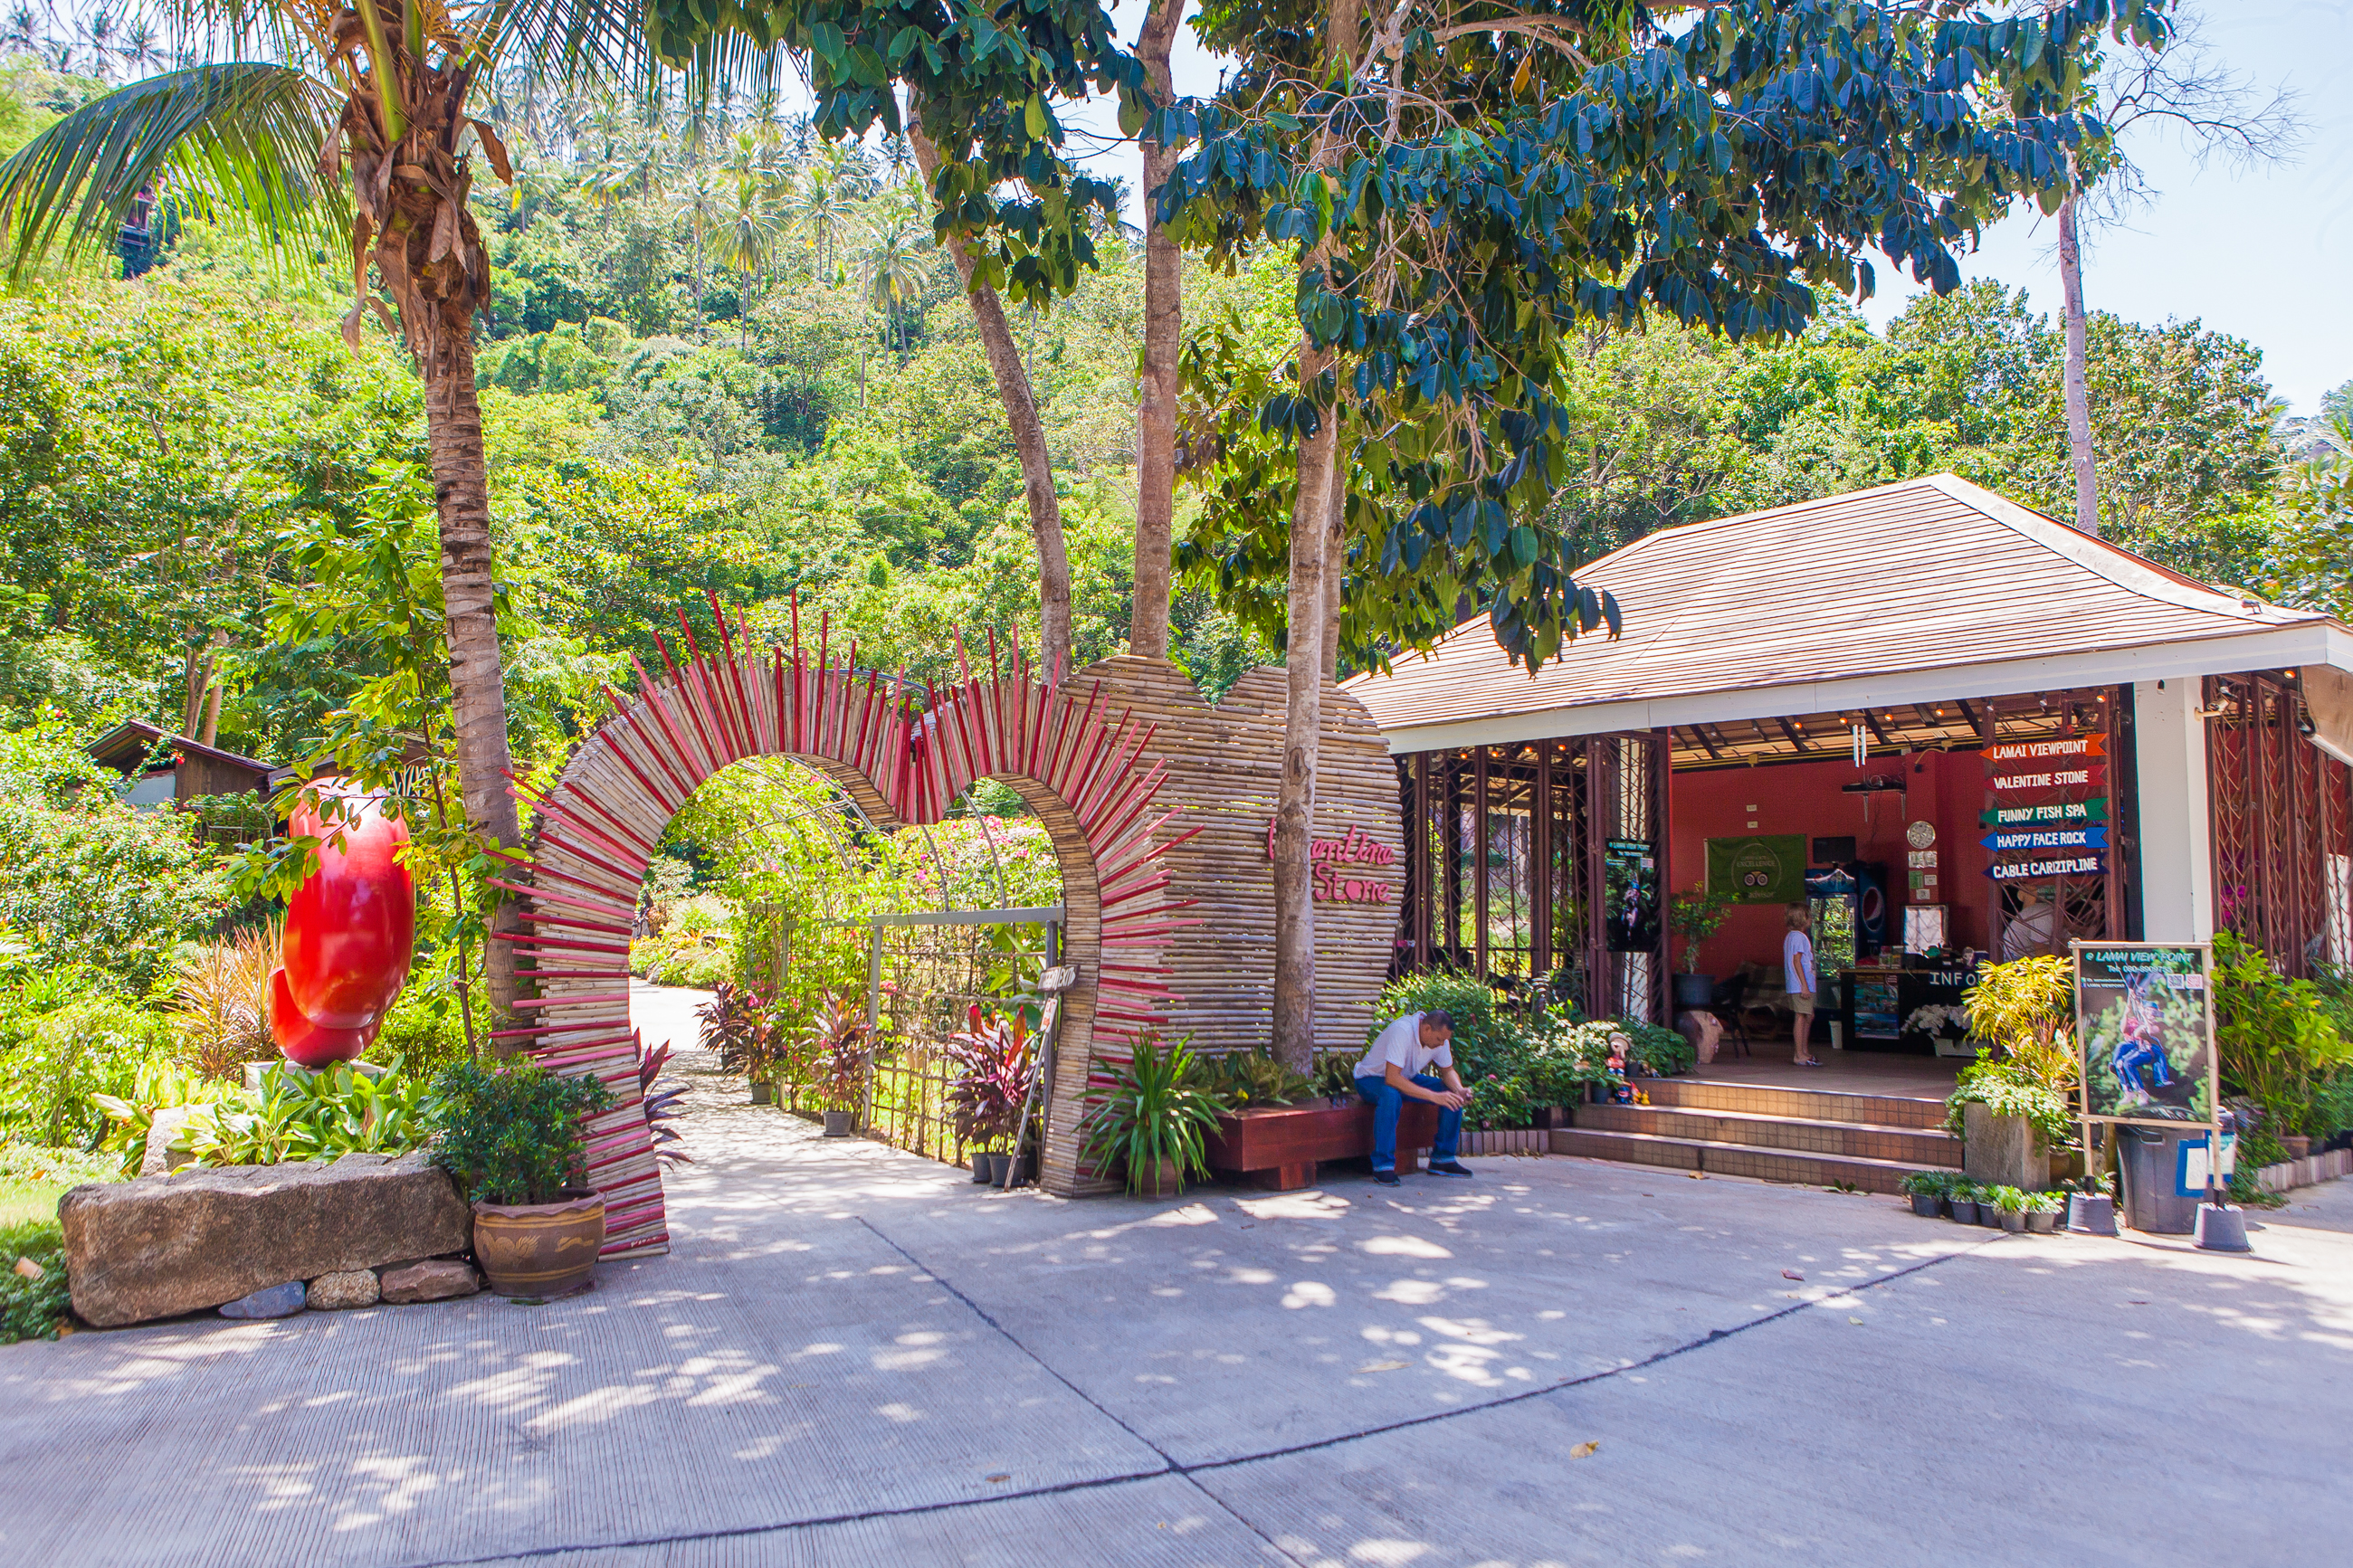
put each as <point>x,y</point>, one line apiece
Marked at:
<point>1160,1181</point>
<point>539,1249</point>
<point>2297,1145</point>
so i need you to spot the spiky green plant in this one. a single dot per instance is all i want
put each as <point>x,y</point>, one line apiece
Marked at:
<point>1152,1117</point>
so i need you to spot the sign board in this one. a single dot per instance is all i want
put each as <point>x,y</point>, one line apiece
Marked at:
<point>2091,745</point>
<point>2092,838</point>
<point>1630,870</point>
<point>2093,810</point>
<point>1768,869</point>
<point>2189,1171</point>
<point>2058,866</point>
<point>2145,1024</point>
<point>2066,773</point>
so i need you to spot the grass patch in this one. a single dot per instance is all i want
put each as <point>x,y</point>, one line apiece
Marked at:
<point>32,1180</point>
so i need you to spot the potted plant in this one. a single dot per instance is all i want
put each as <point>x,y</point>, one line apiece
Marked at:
<point>2010,1209</point>
<point>2043,1210</point>
<point>1962,1199</point>
<point>1153,1122</point>
<point>511,1141</point>
<point>1927,1190</point>
<point>744,1031</point>
<point>994,1071</point>
<point>840,1037</point>
<point>1695,917</point>
<point>1335,1078</point>
<point>2091,1211</point>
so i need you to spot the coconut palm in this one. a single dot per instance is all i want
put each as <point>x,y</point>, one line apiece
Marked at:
<point>896,265</point>
<point>358,125</point>
<point>819,205</point>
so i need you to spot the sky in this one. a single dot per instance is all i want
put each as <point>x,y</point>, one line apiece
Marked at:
<point>2246,252</point>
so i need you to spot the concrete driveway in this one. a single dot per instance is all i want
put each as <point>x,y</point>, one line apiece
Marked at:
<point>855,1356</point>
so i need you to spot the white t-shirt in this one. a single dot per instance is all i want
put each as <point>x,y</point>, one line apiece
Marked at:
<point>1798,963</point>
<point>1401,1043</point>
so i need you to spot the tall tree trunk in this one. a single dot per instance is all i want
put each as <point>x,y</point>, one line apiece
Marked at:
<point>1028,434</point>
<point>477,692</point>
<point>2078,389</point>
<point>1303,719</point>
<point>1336,560</point>
<point>1163,330</point>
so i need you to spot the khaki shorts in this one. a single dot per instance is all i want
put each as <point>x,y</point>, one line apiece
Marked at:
<point>1801,1000</point>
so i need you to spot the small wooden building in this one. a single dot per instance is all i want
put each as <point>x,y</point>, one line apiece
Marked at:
<point>160,768</point>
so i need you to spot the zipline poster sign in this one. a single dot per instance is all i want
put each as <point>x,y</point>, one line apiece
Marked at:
<point>2145,1022</point>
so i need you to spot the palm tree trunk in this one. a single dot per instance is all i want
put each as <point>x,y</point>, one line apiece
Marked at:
<point>478,693</point>
<point>1028,434</point>
<point>2077,385</point>
<point>1163,330</point>
<point>1303,719</point>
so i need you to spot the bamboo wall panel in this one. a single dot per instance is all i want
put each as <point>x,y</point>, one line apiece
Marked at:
<point>1224,769</point>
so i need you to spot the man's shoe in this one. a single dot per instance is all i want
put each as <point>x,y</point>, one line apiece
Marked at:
<point>1449,1168</point>
<point>1385,1178</point>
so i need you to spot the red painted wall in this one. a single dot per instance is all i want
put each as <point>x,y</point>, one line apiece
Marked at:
<point>1946,788</point>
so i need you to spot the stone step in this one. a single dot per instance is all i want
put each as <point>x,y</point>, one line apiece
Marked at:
<point>1734,1159</point>
<point>1800,1104</point>
<point>1911,1145</point>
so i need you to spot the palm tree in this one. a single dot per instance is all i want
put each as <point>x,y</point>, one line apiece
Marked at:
<point>359,126</point>
<point>819,206</point>
<point>702,200</point>
<point>894,271</point>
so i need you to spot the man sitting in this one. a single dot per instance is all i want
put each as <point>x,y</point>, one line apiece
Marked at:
<point>1397,1069</point>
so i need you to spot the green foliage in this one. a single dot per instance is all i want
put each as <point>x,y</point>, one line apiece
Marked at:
<point>296,1115</point>
<point>1152,1115</point>
<point>995,1072</point>
<point>510,1135</point>
<point>2005,1090</point>
<point>88,881</point>
<point>1695,917</point>
<point>33,1308</point>
<point>64,1043</point>
<point>2275,1040</point>
<point>1930,1184</point>
<point>2027,1007</point>
<point>1240,1079</point>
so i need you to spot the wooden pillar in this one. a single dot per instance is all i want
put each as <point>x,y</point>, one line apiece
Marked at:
<point>1601,817</point>
<point>1479,862</point>
<point>1663,772</point>
<point>1540,866</point>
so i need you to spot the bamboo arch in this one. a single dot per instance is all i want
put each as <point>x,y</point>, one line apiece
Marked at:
<point>904,759</point>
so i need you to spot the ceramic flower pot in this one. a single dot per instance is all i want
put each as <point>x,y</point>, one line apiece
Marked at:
<point>836,1124</point>
<point>539,1249</point>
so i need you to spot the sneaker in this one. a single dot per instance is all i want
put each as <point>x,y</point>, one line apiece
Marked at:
<point>1449,1168</point>
<point>1385,1178</point>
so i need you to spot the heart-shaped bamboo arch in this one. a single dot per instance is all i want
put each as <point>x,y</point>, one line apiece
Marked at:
<point>595,830</point>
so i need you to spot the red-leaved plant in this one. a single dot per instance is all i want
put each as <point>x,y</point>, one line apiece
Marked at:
<point>994,1069</point>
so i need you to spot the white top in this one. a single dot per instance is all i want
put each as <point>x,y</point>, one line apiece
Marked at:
<point>1401,1043</point>
<point>1798,963</point>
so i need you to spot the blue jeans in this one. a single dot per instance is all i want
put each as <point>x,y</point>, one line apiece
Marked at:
<point>1387,1102</point>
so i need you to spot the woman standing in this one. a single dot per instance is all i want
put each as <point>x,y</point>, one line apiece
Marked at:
<point>1798,976</point>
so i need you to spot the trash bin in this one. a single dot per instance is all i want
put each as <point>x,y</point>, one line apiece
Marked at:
<point>2150,1157</point>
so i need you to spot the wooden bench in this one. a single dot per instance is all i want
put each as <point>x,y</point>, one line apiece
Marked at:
<point>1277,1148</point>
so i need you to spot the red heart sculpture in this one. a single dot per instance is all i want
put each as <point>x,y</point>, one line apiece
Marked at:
<point>350,930</point>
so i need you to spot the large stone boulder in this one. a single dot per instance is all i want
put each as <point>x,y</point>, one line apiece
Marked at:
<point>161,1245</point>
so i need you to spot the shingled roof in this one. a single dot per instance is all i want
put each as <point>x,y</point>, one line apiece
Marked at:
<point>1930,589</point>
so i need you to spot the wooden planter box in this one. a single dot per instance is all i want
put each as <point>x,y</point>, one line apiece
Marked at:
<point>1277,1148</point>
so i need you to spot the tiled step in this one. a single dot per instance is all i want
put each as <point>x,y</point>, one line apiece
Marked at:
<point>1912,1146</point>
<point>1733,1159</point>
<point>1802,1104</point>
